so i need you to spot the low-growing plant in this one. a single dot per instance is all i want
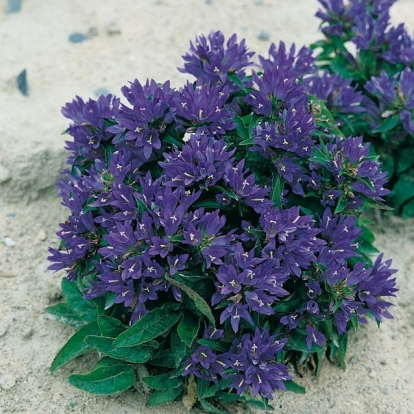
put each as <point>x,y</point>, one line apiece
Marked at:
<point>369,85</point>
<point>216,231</point>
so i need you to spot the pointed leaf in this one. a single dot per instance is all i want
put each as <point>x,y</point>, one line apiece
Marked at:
<point>105,380</point>
<point>296,388</point>
<point>110,327</point>
<point>164,396</point>
<point>135,354</point>
<point>200,303</point>
<point>163,382</point>
<point>188,328</point>
<point>86,309</point>
<point>150,326</point>
<point>64,314</point>
<point>75,346</point>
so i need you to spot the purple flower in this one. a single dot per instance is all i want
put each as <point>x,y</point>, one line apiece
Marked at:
<point>314,336</point>
<point>202,108</point>
<point>209,60</point>
<point>149,116</point>
<point>339,94</point>
<point>204,363</point>
<point>236,312</point>
<point>203,160</point>
<point>89,129</point>
<point>253,362</point>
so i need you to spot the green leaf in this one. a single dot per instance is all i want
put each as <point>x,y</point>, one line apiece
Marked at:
<point>208,407</point>
<point>200,303</point>
<point>226,191</point>
<point>134,354</point>
<point>255,402</point>
<point>296,388</point>
<point>105,380</point>
<point>110,327</point>
<point>404,160</point>
<point>241,129</point>
<point>298,343</point>
<point>163,382</point>
<point>164,359</point>
<point>343,202</point>
<point>408,209</point>
<point>164,396</point>
<point>388,124</point>
<point>188,328</point>
<point>64,314</point>
<point>84,308</point>
<point>107,362</point>
<point>215,345</point>
<point>277,189</point>
<point>235,79</point>
<point>179,349</point>
<point>342,351</point>
<point>75,346</point>
<point>207,204</point>
<point>403,190</point>
<point>150,326</point>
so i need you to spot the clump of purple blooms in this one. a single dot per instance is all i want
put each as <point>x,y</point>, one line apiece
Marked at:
<point>368,85</point>
<point>236,199</point>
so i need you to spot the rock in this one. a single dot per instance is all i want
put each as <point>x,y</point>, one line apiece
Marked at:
<point>42,235</point>
<point>13,6</point>
<point>101,91</point>
<point>263,35</point>
<point>5,174</point>
<point>4,327</point>
<point>112,29</point>
<point>9,242</point>
<point>21,81</point>
<point>7,381</point>
<point>77,37</point>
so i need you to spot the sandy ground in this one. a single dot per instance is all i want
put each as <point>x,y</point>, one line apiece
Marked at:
<point>129,39</point>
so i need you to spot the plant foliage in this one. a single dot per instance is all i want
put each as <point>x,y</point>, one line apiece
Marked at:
<point>216,230</point>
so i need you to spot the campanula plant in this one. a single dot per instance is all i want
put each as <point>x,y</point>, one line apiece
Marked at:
<point>368,84</point>
<point>215,231</point>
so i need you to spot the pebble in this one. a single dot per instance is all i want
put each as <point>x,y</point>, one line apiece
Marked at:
<point>9,242</point>
<point>42,235</point>
<point>13,6</point>
<point>4,174</point>
<point>4,327</point>
<point>7,381</point>
<point>263,35</point>
<point>77,37</point>
<point>101,91</point>
<point>21,81</point>
<point>11,215</point>
<point>112,29</point>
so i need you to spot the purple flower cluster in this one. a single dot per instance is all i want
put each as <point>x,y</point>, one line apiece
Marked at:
<point>393,96</point>
<point>366,23</point>
<point>175,197</point>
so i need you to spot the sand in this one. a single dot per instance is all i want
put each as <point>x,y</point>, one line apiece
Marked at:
<point>128,40</point>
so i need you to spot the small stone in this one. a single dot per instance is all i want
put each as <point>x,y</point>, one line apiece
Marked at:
<point>9,242</point>
<point>112,29</point>
<point>13,6</point>
<point>11,215</point>
<point>263,35</point>
<point>21,81</point>
<point>101,91</point>
<point>77,37</point>
<point>7,381</point>
<point>28,333</point>
<point>4,174</point>
<point>4,327</point>
<point>42,235</point>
